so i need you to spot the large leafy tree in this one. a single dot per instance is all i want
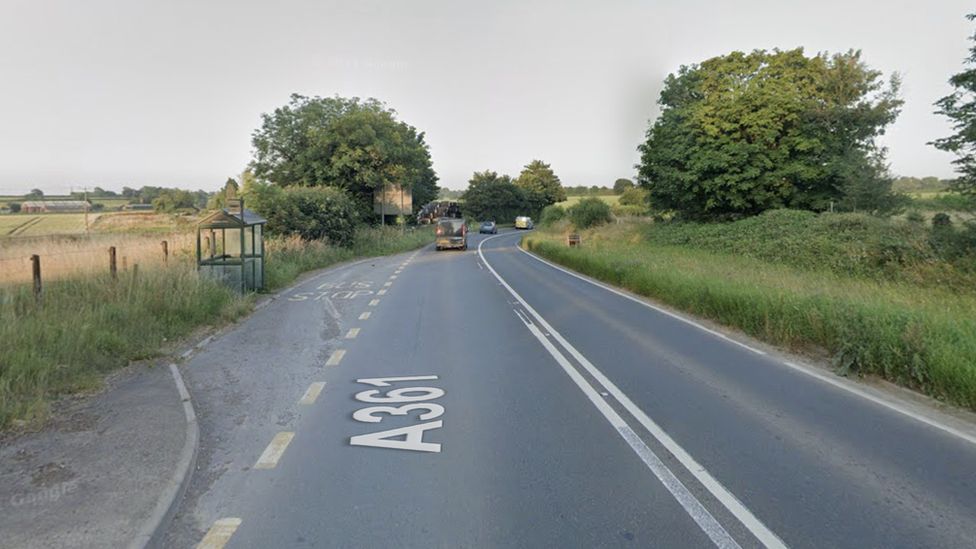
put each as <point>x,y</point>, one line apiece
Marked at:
<point>493,196</point>
<point>357,145</point>
<point>960,107</point>
<point>743,133</point>
<point>538,179</point>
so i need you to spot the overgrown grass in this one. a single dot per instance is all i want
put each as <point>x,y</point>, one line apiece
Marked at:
<point>88,324</point>
<point>291,256</point>
<point>847,244</point>
<point>917,336</point>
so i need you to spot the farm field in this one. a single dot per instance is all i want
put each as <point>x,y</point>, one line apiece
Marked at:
<point>107,202</point>
<point>571,200</point>
<point>34,225</point>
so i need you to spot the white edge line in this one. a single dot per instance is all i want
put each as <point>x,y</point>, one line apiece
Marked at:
<point>726,498</point>
<point>832,380</point>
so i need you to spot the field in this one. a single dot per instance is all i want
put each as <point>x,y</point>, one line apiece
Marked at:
<point>571,200</point>
<point>109,203</point>
<point>878,318</point>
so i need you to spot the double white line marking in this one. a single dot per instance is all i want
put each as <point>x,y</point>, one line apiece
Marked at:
<point>709,525</point>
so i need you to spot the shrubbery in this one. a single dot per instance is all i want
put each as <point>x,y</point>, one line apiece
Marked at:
<point>308,212</point>
<point>847,244</point>
<point>551,214</point>
<point>589,212</point>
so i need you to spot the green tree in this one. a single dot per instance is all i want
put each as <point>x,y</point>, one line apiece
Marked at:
<point>744,133</point>
<point>589,212</point>
<point>171,200</point>
<point>357,145</point>
<point>309,212</point>
<point>35,193</point>
<point>960,107</point>
<point>621,185</point>
<point>491,196</point>
<point>540,182</point>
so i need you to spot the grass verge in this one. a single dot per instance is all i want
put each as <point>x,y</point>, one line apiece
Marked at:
<point>920,337</point>
<point>89,324</point>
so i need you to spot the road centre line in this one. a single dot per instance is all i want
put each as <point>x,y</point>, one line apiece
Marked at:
<point>381,292</point>
<point>811,372</point>
<point>276,448</point>
<point>220,533</point>
<point>374,302</point>
<point>352,333</point>
<point>393,277</point>
<point>336,357</point>
<point>726,498</point>
<point>718,534</point>
<point>364,316</point>
<point>388,284</point>
<point>312,393</point>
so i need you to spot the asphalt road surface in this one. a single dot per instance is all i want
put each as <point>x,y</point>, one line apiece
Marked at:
<point>487,399</point>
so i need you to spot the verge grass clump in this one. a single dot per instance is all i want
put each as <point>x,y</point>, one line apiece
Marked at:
<point>920,337</point>
<point>290,256</point>
<point>86,326</point>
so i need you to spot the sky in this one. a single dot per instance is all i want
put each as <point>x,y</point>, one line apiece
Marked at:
<point>134,92</point>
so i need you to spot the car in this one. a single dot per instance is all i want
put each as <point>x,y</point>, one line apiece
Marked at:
<point>451,233</point>
<point>488,227</point>
<point>524,222</point>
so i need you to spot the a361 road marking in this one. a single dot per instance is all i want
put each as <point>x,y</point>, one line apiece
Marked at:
<point>412,399</point>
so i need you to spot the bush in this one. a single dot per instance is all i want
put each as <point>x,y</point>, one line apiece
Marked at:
<point>915,216</point>
<point>589,212</point>
<point>551,214</point>
<point>634,196</point>
<point>310,213</point>
<point>847,244</point>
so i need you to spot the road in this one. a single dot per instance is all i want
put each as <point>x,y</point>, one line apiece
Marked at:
<point>541,410</point>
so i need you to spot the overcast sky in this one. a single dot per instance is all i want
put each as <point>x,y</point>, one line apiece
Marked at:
<point>168,92</point>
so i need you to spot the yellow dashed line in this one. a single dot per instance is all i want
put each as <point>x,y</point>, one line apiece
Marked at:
<point>219,533</point>
<point>374,302</point>
<point>381,292</point>
<point>336,357</point>
<point>364,316</point>
<point>312,393</point>
<point>274,451</point>
<point>352,333</point>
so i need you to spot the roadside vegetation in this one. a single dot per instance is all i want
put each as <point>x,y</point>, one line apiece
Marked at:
<point>763,202</point>
<point>908,317</point>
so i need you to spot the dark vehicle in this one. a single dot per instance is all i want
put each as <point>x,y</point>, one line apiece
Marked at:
<point>488,227</point>
<point>433,211</point>
<point>451,233</point>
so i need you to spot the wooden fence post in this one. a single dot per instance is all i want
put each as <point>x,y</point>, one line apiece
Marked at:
<point>36,268</point>
<point>135,270</point>
<point>111,263</point>
<point>165,251</point>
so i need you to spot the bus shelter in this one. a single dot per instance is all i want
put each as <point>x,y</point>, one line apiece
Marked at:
<point>230,247</point>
